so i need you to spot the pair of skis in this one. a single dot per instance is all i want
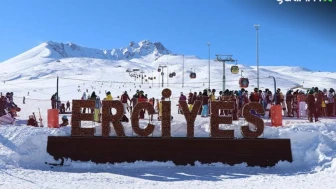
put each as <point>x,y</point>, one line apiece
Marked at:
<point>40,118</point>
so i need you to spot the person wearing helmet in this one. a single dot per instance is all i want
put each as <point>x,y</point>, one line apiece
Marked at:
<point>65,121</point>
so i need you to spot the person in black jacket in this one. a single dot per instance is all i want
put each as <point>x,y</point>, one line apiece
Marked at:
<point>289,103</point>
<point>310,100</point>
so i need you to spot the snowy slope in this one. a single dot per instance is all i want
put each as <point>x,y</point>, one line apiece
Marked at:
<point>23,149</point>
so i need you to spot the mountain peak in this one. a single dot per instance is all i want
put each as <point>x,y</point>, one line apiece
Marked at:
<point>133,50</point>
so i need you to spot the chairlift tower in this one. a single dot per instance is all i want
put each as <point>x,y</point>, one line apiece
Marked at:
<point>224,58</point>
<point>162,73</point>
<point>142,72</point>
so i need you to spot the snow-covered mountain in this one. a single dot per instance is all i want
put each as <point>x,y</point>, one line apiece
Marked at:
<point>52,59</point>
<point>55,50</point>
<point>33,75</point>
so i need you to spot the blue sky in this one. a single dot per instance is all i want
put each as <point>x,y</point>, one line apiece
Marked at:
<point>183,26</point>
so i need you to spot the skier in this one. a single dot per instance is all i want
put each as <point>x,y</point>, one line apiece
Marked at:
<point>24,100</point>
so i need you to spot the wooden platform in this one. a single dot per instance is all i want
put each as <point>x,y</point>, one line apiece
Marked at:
<point>181,151</point>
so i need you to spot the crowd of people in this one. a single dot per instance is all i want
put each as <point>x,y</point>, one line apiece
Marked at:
<point>313,103</point>
<point>127,102</point>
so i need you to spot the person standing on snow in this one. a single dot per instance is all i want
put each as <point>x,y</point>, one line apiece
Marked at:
<point>190,102</point>
<point>289,103</point>
<point>205,103</point>
<point>68,105</point>
<point>109,97</point>
<point>53,101</point>
<point>142,98</point>
<point>124,100</point>
<point>330,105</point>
<point>182,98</point>
<point>84,98</point>
<point>311,106</point>
<point>319,98</point>
<point>97,113</point>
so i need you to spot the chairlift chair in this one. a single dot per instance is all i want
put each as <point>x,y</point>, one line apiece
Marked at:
<point>192,75</point>
<point>243,82</point>
<point>235,69</point>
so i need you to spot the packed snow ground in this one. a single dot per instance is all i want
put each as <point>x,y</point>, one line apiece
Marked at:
<point>23,148</point>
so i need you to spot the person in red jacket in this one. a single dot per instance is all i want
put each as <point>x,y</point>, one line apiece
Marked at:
<point>142,98</point>
<point>32,121</point>
<point>124,100</point>
<point>255,96</point>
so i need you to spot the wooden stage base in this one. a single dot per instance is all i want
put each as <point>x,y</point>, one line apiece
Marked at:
<point>181,151</point>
